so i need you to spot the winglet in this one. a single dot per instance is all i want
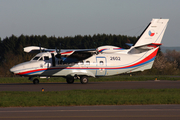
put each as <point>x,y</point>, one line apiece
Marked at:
<point>32,49</point>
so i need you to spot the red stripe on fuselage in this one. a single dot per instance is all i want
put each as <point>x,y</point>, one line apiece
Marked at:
<point>152,55</point>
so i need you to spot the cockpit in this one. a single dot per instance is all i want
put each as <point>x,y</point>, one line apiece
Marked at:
<point>75,58</point>
<point>36,58</point>
<point>40,57</point>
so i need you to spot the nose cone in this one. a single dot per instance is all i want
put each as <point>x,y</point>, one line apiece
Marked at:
<point>22,67</point>
<point>15,69</point>
<point>18,68</point>
<point>12,70</point>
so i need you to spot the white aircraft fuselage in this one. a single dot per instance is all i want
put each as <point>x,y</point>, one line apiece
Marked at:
<point>104,61</point>
<point>102,64</point>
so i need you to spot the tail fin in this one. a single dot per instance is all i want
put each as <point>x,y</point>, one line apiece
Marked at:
<point>153,33</point>
<point>148,44</point>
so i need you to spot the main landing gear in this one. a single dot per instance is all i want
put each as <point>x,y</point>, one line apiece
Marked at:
<point>36,81</point>
<point>83,79</point>
<point>69,79</point>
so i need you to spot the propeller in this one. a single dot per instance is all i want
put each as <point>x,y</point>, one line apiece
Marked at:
<point>40,48</point>
<point>58,52</point>
<point>53,59</point>
<point>58,55</point>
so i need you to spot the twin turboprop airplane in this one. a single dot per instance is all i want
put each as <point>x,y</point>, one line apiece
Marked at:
<point>103,61</point>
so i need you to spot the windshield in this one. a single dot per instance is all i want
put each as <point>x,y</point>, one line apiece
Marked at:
<point>41,57</point>
<point>36,58</point>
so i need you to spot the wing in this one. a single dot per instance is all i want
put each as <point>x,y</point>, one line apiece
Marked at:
<point>35,49</point>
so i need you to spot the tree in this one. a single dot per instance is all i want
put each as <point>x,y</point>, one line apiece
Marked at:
<point>173,56</point>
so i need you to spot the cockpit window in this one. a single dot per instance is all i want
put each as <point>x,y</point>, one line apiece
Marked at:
<point>41,58</point>
<point>36,58</point>
<point>46,58</point>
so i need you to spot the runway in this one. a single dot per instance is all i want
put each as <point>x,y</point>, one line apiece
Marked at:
<point>92,85</point>
<point>130,112</point>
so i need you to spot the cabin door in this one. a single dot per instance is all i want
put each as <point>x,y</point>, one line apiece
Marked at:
<point>101,64</point>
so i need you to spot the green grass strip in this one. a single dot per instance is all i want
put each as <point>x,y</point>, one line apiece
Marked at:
<point>90,97</point>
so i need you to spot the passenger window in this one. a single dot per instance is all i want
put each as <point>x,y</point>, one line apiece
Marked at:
<point>46,58</point>
<point>101,62</point>
<point>81,62</point>
<point>87,62</point>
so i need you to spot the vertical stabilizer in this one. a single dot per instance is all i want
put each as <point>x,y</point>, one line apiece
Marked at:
<point>153,33</point>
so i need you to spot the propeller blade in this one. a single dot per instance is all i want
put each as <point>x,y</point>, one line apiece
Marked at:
<point>58,52</point>
<point>40,48</point>
<point>59,47</point>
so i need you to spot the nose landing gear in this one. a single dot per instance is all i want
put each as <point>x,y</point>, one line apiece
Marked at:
<point>35,81</point>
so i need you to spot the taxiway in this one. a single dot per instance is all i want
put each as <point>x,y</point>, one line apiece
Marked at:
<point>91,85</point>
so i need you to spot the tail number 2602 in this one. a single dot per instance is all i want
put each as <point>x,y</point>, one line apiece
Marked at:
<point>115,58</point>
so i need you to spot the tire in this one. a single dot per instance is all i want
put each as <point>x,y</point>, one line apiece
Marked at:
<point>84,79</point>
<point>70,80</point>
<point>36,81</point>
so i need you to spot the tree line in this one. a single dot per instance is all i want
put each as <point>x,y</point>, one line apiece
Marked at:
<point>11,48</point>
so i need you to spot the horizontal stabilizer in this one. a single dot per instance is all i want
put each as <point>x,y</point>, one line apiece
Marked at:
<point>129,44</point>
<point>149,46</point>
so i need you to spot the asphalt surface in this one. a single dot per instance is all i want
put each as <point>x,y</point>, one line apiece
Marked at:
<point>91,85</point>
<point>125,112</point>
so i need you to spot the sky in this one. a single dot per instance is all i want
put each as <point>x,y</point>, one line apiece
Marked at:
<point>62,18</point>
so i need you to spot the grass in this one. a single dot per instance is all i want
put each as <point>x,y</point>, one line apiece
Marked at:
<point>90,97</point>
<point>99,79</point>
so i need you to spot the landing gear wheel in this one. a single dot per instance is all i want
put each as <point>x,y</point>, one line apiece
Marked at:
<point>84,79</point>
<point>36,81</point>
<point>70,80</point>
